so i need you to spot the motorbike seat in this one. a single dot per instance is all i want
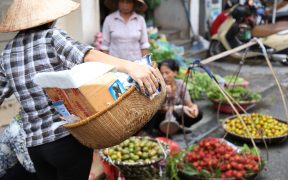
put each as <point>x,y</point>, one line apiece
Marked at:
<point>268,29</point>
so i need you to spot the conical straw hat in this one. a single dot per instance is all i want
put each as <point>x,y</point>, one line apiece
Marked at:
<point>25,14</point>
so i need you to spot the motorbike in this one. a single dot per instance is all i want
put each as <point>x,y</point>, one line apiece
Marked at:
<point>243,25</point>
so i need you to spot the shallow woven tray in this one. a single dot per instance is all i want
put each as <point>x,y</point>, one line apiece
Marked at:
<point>257,140</point>
<point>165,149</point>
<point>226,107</point>
<point>251,176</point>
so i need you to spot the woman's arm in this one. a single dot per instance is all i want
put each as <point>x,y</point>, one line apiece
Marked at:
<point>144,42</point>
<point>190,108</point>
<point>106,36</point>
<point>144,75</point>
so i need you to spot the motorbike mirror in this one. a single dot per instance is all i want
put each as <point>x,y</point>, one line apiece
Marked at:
<point>240,12</point>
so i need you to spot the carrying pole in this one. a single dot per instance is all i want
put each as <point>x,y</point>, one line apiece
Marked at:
<point>227,53</point>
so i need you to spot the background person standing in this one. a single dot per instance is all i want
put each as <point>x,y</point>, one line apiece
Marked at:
<point>124,31</point>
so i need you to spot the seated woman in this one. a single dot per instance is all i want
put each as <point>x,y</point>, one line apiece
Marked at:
<point>178,102</point>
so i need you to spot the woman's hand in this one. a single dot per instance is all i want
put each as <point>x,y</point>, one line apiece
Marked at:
<point>191,111</point>
<point>146,77</point>
<point>169,91</point>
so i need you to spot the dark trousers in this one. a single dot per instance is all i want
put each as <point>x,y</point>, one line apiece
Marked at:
<point>154,123</point>
<point>18,172</point>
<point>64,159</point>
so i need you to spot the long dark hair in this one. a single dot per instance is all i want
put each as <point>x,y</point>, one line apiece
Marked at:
<point>137,6</point>
<point>171,64</point>
<point>41,27</point>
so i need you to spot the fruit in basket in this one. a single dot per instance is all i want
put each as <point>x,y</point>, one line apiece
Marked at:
<point>135,150</point>
<point>216,158</point>
<point>258,125</point>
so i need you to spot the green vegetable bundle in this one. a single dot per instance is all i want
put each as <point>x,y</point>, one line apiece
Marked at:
<point>238,93</point>
<point>197,85</point>
<point>232,79</point>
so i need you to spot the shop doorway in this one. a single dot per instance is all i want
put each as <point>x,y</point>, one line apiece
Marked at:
<point>104,11</point>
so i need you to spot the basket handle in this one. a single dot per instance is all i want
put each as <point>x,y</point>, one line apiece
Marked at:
<point>57,125</point>
<point>65,120</point>
<point>163,150</point>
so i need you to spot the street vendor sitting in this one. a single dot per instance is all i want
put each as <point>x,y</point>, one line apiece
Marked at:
<point>168,119</point>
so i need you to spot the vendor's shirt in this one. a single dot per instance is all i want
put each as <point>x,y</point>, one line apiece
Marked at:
<point>181,95</point>
<point>31,52</point>
<point>125,39</point>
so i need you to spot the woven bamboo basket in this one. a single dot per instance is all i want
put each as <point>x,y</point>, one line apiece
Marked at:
<point>119,121</point>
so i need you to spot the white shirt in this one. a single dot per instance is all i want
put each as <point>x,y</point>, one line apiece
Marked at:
<point>125,39</point>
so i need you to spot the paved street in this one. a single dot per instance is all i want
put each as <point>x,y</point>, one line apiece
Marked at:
<point>261,80</point>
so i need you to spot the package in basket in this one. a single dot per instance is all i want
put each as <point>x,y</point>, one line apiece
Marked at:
<point>81,91</point>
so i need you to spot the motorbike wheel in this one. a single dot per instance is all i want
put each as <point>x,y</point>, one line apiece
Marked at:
<point>215,48</point>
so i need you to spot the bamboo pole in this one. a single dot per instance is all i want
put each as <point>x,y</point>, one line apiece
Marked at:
<point>275,76</point>
<point>244,46</point>
<point>227,53</point>
<point>238,115</point>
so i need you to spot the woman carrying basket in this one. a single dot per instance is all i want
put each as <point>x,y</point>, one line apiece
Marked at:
<point>38,47</point>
